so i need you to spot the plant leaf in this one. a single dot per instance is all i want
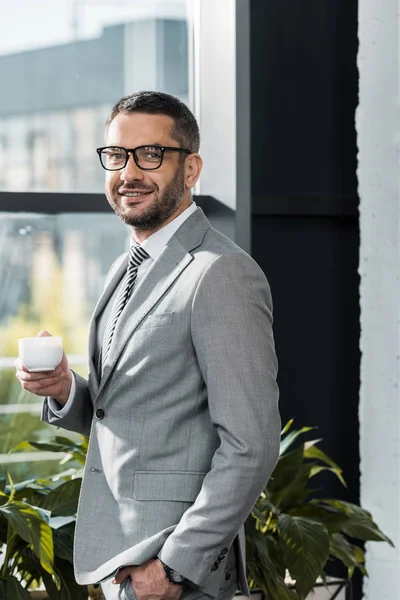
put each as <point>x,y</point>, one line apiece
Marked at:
<point>295,492</point>
<point>360,524</point>
<point>351,556</point>
<point>287,427</point>
<point>316,469</point>
<point>305,546</point>
<point>57,444</point>
<point>265,569</point>
<point>63,500</point>
<point>63,539</point>
<point>291,438</point>
<point>312,443</point>
<point>30,524</point>
<point>12,488</point>
<point>314,452</point>
<point>70,590</point>
<point>286,470</point>
<point>11,589</point>
<point>333,521</point>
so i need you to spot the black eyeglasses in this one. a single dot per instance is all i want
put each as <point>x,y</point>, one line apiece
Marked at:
<point>148,158</point>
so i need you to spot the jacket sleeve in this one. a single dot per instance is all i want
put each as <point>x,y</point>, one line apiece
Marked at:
<point>76,415</point>
<point>233,339</point>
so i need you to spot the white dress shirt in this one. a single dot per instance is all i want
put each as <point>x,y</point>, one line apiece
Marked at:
<point>157,241</point>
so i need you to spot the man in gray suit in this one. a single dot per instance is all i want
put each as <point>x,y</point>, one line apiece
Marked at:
<point>181,400</point>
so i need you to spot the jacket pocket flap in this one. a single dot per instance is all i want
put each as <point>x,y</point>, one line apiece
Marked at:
<point>156,320</point>
<point>175,486</point>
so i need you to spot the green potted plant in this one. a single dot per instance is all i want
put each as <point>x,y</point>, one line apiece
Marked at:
<point>35,549</point>
<point>291,532</point>
<point>288,532</point>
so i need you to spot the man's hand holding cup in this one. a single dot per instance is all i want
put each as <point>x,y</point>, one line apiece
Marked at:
<point>42,367</point>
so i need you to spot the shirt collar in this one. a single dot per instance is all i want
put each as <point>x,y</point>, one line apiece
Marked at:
<point>155,243</point>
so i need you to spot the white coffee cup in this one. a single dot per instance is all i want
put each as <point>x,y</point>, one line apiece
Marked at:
<point>40,353</point>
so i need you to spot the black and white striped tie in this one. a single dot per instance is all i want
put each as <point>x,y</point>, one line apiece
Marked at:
<point>136,256</point>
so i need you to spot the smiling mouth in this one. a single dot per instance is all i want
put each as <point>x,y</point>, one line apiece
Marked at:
<point>135,194</point>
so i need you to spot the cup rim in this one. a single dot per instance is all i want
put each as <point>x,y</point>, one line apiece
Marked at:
<point>47,337</point>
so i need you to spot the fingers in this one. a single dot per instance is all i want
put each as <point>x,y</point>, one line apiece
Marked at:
<point>44,333</point>
<point>44,387</point>
<point>19,366</point>
<point>122,575</point>
<point>40,383</point>
<point>25,374</point>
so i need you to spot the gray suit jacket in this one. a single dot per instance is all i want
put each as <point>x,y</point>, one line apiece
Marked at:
<point>189,428</point>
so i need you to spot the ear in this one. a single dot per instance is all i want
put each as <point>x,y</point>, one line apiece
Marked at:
<point>193,167</point>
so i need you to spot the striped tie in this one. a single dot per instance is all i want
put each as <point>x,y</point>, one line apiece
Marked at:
<point>136,256</point>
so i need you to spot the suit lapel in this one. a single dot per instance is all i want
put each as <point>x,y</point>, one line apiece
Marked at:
<point>118,270</point>
<point>174,258</point>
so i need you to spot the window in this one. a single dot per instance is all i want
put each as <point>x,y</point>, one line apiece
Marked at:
<point>59,82</point>
<point>56,95</point>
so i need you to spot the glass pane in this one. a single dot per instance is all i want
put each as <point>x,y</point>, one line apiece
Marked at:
<point>52,270</point>
<point>61,77</point>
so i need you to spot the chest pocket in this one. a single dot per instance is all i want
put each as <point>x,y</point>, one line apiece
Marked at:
<point>157,320</point>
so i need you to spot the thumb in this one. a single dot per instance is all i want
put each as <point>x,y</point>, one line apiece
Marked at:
<point>44,333</point>
<point>122,575</point>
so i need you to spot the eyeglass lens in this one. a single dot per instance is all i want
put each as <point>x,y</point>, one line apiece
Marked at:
<point>147,157</point>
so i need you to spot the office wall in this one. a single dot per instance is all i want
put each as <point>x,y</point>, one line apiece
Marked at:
<point>304,86</point>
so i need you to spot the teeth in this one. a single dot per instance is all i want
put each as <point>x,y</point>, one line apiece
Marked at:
<point>133,194</point>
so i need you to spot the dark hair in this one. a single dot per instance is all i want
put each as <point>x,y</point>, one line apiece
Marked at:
<point>185,129</point>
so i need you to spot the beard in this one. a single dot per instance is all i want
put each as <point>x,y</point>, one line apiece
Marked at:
<point>162,208</point>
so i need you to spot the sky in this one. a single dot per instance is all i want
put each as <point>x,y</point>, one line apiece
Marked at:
<point>29,24</point>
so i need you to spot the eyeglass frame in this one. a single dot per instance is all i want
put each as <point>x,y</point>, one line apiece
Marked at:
<point>133,152</point>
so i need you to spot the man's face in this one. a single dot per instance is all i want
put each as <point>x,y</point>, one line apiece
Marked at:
<point>146,199</point>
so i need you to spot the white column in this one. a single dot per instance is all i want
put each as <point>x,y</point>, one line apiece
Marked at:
<point>378,140</point>
<point>221,48</point>
<point>216,97</point>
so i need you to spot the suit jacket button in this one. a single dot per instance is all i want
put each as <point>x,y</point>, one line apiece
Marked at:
<point>100,413</point>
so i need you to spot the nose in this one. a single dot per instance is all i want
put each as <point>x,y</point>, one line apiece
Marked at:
<point>131,171</point>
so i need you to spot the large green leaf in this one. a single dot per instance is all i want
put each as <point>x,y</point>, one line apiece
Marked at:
<point>63,500</point>
<point>333,521</point>
<point>11,589</point>
<point>30,524</point>
<point>360,524</point>
<point>351,556</point>
<point>305,546</point>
